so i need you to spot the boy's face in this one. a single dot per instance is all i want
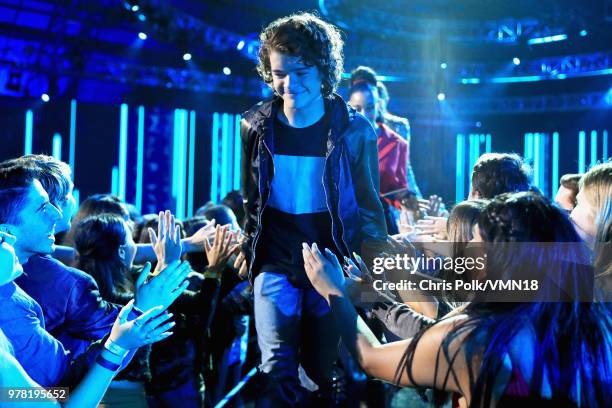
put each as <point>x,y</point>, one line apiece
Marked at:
<point>35,228</point>
<point>298,84</point>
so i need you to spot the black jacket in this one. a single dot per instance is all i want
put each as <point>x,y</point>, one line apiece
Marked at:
<point>350,179</point>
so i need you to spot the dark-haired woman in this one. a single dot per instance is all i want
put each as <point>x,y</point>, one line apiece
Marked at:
<point>496,353</point>
<point>106,251</point>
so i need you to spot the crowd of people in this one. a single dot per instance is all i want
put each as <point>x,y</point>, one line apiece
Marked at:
<point>135,310</point>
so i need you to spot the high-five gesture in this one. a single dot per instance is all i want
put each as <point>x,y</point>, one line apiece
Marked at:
<point>324,271</point>
<point>195,242</point>
<point>167,242</point>
<point>220,251</point>
<point>163,288</point>
<point>150,327</point>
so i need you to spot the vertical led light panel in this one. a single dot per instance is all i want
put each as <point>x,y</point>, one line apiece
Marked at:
<point>57,146</point>
<point>29,124</point>
<point>191,178</point>
<point>71,151</point>
<point>123,143</point>
<point>140,158</point>
<point>460,169</point>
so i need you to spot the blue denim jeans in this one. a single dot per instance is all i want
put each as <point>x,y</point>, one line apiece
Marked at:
<point>294,326</point>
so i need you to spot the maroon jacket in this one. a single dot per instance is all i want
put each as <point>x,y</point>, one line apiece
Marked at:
<point>392,158</point>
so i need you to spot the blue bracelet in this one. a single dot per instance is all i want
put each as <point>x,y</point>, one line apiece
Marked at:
<point>107,364</point>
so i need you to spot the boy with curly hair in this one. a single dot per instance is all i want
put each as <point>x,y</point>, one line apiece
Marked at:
<point>309,174</point>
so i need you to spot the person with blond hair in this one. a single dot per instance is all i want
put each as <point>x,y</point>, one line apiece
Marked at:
<point>592,217</point>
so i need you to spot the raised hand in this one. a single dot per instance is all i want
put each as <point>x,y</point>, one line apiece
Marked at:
<point>150,327</point>
<point>241,265</point>
<point>220,251</point>
<point>324,271</point>
<point>359,273</point>
<point>167,242</point>
<point>197,240</point>
<point>163,288</point>
<point>358,285</point>
<point>433,226</point>
<point>406,224</point>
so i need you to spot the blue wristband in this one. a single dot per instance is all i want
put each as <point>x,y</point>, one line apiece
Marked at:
<point>109,365</point>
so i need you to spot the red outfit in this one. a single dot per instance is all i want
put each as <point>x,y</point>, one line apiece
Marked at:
<point>392,158</point>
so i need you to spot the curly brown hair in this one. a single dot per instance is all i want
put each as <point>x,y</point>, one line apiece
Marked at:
<point>305,35</point>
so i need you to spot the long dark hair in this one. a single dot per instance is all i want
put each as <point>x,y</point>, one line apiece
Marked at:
<point>571,341</point>
<point>97,240</point>
<point>459,228</point>
<point>460,223</point>
<point>96,204</point>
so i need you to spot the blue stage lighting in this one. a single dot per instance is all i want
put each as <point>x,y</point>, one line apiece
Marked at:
<point>227,71</point>
<point>142,36</point>
<point>187,56</point>
<point>608,97</point>
<point>45,97</point>
<point>443,65</point>
<point>583,33</point>
<point>548,39</point>
<point>516,61</point>
<point>240,45</point>
<point>29,125</point>
<point>441,96</point>
<point>470,81</point>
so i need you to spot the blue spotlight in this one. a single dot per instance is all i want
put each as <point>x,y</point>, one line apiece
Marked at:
<point>441,96</point>
<point>142,36</point>
<point>443,65</point>
<point>583,33</point>
<point>608,97</point>
<point>227,71</point>
<point>135,8</point>
<point>187,56</point>
<point>142,17</point>
<point>45,97</point>
<point>240,45</point>
<point>516,61</point>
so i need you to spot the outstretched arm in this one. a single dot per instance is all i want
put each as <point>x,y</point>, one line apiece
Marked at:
<point>382,361</point>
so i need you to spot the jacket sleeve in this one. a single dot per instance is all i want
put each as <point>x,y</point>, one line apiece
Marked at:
<point>248,187</point>
<point>41,355</point>
<point>89,317</point>
<point>363,156</point>
<point>411,179</point>
<point>401,168</point>
<point>399,319</point>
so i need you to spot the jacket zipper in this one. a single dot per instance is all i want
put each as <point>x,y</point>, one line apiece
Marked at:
<point>327,203</point>
<point>260,214</point>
